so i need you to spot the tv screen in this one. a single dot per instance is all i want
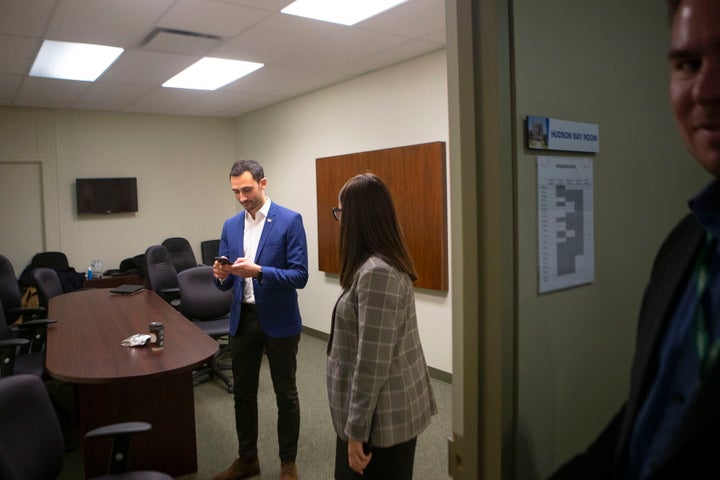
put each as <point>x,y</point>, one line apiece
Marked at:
<point>106,195</point>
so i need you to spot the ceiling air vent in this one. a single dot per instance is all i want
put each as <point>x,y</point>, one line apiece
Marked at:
<point>182,42</point>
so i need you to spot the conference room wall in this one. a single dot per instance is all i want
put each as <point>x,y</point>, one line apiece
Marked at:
<point>404,104</point>
<point>181,164</point>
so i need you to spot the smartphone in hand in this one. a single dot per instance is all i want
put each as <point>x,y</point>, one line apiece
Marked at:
<point>223,260</point>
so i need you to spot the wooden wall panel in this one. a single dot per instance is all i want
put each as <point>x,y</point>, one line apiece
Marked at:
<point>415,175</point>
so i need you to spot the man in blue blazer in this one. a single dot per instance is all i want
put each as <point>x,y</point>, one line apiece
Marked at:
<point>265,261</point>
<point>668,427</point>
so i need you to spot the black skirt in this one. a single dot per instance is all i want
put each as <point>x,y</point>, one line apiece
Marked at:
<point>391,463</point>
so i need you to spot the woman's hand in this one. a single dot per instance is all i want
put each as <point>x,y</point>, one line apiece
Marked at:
<point>356,456</point>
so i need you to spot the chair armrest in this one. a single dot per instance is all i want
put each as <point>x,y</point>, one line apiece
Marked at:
<point>170,290</point>
<point>32,324</point>
<point>121,433</point>
<point>13,342</point>
<point>119,428</point>
<point>35,331</point>
<point>8,349</point>
<point>30,312</point>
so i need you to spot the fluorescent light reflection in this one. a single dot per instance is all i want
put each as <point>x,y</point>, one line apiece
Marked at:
<point>344,12</point>
<point>211,73</point>
<point>73,61</point>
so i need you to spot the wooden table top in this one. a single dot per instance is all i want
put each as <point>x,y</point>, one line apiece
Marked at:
<point>84,346</point>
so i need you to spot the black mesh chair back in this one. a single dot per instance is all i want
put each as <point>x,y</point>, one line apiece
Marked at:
<point>209,250</point>
<point>202,300</point>
<point>10,295</point>
<point>56,260</point>
<point>181,253</point>
<point>31,440</point>
<point>15,354</point>
<point>208,308</point>
<point>161,275</point>
<point>48,284</point>
<point>11,298</point>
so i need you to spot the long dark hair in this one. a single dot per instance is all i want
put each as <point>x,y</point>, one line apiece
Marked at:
<point>369,226</point>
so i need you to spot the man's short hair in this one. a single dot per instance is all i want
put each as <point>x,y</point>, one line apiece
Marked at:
<point>242,166</point>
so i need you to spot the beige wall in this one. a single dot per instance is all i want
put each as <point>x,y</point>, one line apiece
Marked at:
<point>181,164</point>
<point>603,63</point>
<point>401,105</point>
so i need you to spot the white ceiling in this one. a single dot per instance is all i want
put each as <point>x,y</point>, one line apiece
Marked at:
<point>300,55</point>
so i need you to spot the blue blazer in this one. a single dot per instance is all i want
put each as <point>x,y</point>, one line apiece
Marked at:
<point>282,253</point>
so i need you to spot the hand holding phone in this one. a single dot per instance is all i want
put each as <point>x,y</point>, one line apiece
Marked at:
<point>223,261</point>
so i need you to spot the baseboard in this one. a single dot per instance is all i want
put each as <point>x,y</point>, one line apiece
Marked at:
<point>434,372</point>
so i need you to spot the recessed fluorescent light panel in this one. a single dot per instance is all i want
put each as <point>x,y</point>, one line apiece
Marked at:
<point>345,12</point>
<point>211,73</point>
<point>73,61</point>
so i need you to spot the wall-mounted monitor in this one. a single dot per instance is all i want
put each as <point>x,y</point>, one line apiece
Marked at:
<point>97,196</point>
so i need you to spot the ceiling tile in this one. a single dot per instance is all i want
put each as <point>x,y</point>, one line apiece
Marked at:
<point>24,17</point>
<point>48,91</point>
<point>17,53</point>
<point>118,94</point>
<point>9,84</point>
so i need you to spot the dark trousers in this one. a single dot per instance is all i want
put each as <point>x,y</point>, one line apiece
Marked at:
<point>247,348</point>
<point>390,463</point>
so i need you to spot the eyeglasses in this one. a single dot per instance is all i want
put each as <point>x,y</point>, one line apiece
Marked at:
<point>336,211</point>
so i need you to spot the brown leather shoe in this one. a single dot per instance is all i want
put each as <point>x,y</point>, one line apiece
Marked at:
<point>240,469</point>
<point>288,471</point>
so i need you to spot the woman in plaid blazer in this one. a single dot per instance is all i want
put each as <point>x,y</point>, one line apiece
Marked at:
<point>378,383</point>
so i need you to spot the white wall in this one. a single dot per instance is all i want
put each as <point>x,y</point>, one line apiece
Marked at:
<point>181,164</point>
<point>405,104</point>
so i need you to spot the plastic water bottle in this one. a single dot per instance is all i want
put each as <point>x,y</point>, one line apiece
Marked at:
<point>89,273</point>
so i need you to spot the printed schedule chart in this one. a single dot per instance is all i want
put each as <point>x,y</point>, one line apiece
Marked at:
<point>565,222</point>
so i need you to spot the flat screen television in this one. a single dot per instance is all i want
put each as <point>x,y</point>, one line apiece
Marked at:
<point>106,195</point>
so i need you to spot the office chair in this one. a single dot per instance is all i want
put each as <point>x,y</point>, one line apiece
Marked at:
<point>208,308</point>
<point>31,441</point>
<point>181,253</point>
<point>56,260</point>
<point>69,278</point>
<point>11,297</point>
<point>24,353</point>
<point>47,283</point>
<point>209,249</point>
<point>161,275</point>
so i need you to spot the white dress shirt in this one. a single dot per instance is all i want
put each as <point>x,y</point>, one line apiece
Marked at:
<point>253,230</point>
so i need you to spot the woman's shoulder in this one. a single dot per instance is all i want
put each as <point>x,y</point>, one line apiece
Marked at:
<point>376,265</point>
<point>375,262</point>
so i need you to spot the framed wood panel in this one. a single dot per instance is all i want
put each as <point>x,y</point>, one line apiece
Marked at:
<point>416,178</point>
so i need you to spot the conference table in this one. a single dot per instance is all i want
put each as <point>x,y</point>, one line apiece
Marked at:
<point>117,383</point>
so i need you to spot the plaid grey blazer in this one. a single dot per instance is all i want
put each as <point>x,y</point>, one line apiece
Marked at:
<point>376,372</point>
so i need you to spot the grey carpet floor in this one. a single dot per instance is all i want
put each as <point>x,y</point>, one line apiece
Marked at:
<point>217,443</point>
